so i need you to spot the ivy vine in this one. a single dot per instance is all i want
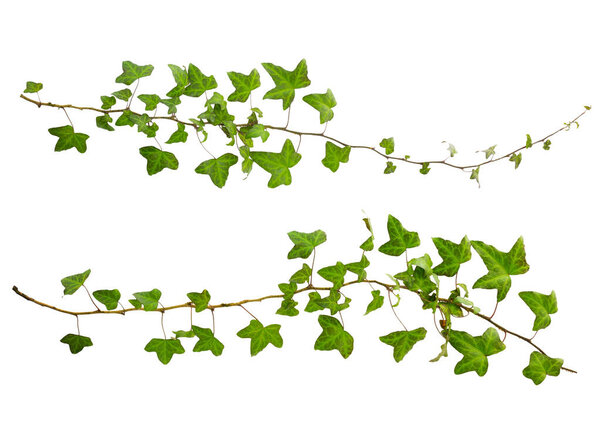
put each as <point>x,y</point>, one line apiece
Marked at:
<point>191,82</point>
<point>418,278</point>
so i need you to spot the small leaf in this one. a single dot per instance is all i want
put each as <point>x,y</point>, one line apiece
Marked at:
<point>453,255</point>
<point>243,84</point>
<point>323,103</point>
<point>334,155</point>
<point>107,102</point>
<point>389,168</point>
<point>332,302</point>
<point>171,104</point>
<point>109,298</point>
<point>400,238</point>
<point>490,152</point>
<point>424,168</point>
<point>388,144</point>
<point>542,306</point>
<point>74,282</point>
<point>180,135</point>
<point>286,82</point>
<point>475,350</point>
<point>148,299</point>
<point>198,82</point>
<point>359,267</point>
<point>288,307</point>
<point>200,299</point>
<point>516,158</point>
<point>304,243</point>
<point>475,175</point>
<point>32,87</point>
<point>376,303</point>
<point>181,79</point>
<point>302,276</point>
<point>546,145</point>
<point>218,169</point>
<point>313,302</point>
<point>403,341</point>
<point>278,164</point>
<point>158,159</point>
<point>528,142</point>
<point>133,72</point>
<point>103,120</point>
<point>165,349</point>
<point>207,341</point>
<point>451,149</point>
<point>334,274</point>
<point>260,336</point>
<point>334,337</point>
<point>540,366</point>
<point>123,94</point>
<point>67,138</point>
<point>76,342</point>
<point>150,100</point>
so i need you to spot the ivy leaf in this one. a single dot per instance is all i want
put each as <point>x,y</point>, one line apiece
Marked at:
<point>540,366</point>
<point>334,155</point>
<point>288,289</point>
<point>500,266</point>
<point>243,84</point>
<point>546,145</point>
<point>451,149</point>
<point>218,169</point>
<point>368,245</point>
<point>67,138</point>
<point>171,104</point>
<point>475,175</point>
<point>403,341</point>
<point>165,349</point>
<point>376,303</point>
<point>453,255</point>
<point>278,164</point>
<point>332,302</point>
<point>32,87</point>
<point>516,158</point>
<point>323,103</point>
<point>334,274</point>
<point>302,276</point>
<point>334,337</point>
<point>148,299</point>
<point>74,282</point>
<point>528,142</point>
<point>417,280</point>
<point>286,82</point>
<point>542,306</point>
<point>199,83</point>
<point>475,350</point>
<point>181,79</point>
<point>247,162</point>
<point>389,168</point>
<point>150,100</point>
<point>180,135</point>
<point>400,238</point>
<point>490,152</point>
<point>304,243</point>
<point>207,341</point>
<point>107,102</point>
<point>103,121</point>
<point>260,336</point>
<point>76,342</point>
<point>123,94</point>
<point>359,267</point>
<point>200,299</point>
<point>246,134</point>
<point>133,72</point>
<point>313,302</point>
<point>424,168</point>
<point>158,159</point>
<point>388,144</point>
<point>184,334</point>
<point>288,307</point>
<point>109,298</point>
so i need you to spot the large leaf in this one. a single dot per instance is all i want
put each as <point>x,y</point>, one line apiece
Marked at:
<point>67,138</point>
<point>133,72</point>
<point>334,337</point>
<point>218,169</point>
<point>323,103</point>
<point>278,164</point>
<point>400,238</point>
<point>542,306</point>
<point>76,342</point>
<point>243,84</point>
<point>108,297</point>
<point>540,366</point>
<point>475,350</point>
<point>304,243</point>
<point>260,336</point>
<point>74,282</point>
<point>453,255</point>
<point>165,349</point>
<point>334,155</point>
<point>403,341</point>
<point>500,266</point>
<point>286,82</point>
<point>198,82</point>
<point>158,159</point>
<point>207,341</point>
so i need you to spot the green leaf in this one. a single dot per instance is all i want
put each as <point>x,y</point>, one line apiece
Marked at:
<point>400,238</point>
<point>302,276</point>
<point>165,349</point>
<point>32,87</point>
<point>171,104</point>
<point>286,82</point>
<point>490,152</point>
<point>207,341</point>
<point>278,164</point>
<point>516,158</point>
<point>218,169</point>
<point>133,72</point>
<point>150,100</point>
<point>335,274</point>
<point>313,302</point>
<point>500,266</point>
<point>389,168</point>
<point>180,135</point>
<point>528,142</point>
<point>123,94</point>
<point>417,280</point>
<point>288,307</point>
<point>136,304</point>
<point>368,245</point>
<point>109,298</point>
<point>359,267</point>
<point>107,102</point>
<point>67,138</point>
<point>260,336</point>
<point>288,289</point>
<point>542,306</point>
<point>200,299</point>
<point>424,168</point>
<point>334,155</point>
<point>74,282</point>
<point>125,119</point>
<point>199,83</point>
<point>181,79</point>
<point>304,243</point>
<point>376,303</point>
<point>475,350</point>
<point>540,366</point>
<point>475,175</point>
<point>184,334</point>
<point>76,342</point>
<point>546,145</point>
<point>247,162</point>
<point>388,144</point>
<point>403,341</point>
<point>323,103</point>
<point>453,255</point>
<point>332,303</point>
<point>103,120</point>
<point>243,84</point>
<point>334,337</point>
<point>158,159</point>
<point>148,299</point>
<point>246,134</point>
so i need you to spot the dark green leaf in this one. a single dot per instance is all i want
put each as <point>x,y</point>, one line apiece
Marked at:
<point>403,341</point>
<point>334,155</point>
<point>109,298</point>
<point>150,100</point>
<point>198,82</point>
<point>133,72</point>
<point>304,243</point>
<point>400,238</point>
<point>286,82</point>
<point>180,135</point>
<point>76,342</point>
<point>107,102</point>
<point>67,138</point>
<point>123,94</point>
<point>334,337</point>
<point>260,336</point>
<point>207,341</point>
<point>323,103</point>
<point>359,267</point>
<point>388,144</point>
<point>165,349</point>
<point>200,299</point>
<point>542,306</point>
<point>540,366</point>
<point>103,120</point>
<point>74,282</point>
<point>475,350</point>
<point>302,276</point>
<point>376,303</point>
<point>243,84</point>
<point>32,87</point>
<point>148,299</point>
<point>335,274</point>
<point>125,119</point>
<point>158,159</point>
<point>278,164</point>
<point>453,255</point>
<point>218,169</point>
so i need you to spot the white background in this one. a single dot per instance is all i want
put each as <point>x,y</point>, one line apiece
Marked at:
<point>423,72</point>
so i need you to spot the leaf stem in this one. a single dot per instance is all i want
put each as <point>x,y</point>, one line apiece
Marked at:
<point>250,313</point>
<point>70,121</point>
<point>91,299</point>
<point>202,145</point>
<point>394,310</point>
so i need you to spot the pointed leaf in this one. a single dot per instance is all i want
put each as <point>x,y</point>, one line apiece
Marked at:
<point>278,164</point>
<point>313,302</point>
<point>133,72</point>
<point>475,350</point>
<point>334,274</point>
<point>540,366</point>
<point>150,100</point>
<point>76,342</point>
<point>323,103</point>
<point>453,255</point>
<point>403,341</point>
<point>304,243</point>
<point>218,169</point>
<point>165,349</point>
<point>388,144</point>
<point>542,306</point>
<point>148,299</point>
<point>67,138</point>
<point>243,84</point>
<point>359,267</point>
<point>123,94</point>
<point>376,303</point>
<point>180,135</point>
<point>260,336</point>
<point>302,276</point>
<point>103,121</point>
<point>286,82</point>
<point>400,238</point>
<point>107,102</point>
<point>200,299</point>
<point>158,159</point>
<point>334,155</point>
<point>334,337</point>
<point>207,341</point>
<point>74,282</point>
<point>198,82</point>
<point>109,298</point>
<point>32,87</point>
